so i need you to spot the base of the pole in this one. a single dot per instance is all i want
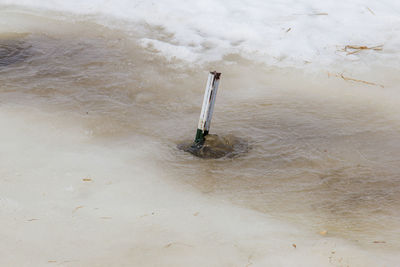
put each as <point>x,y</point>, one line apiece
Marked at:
<point>199,139</point>
<point>213,147</point>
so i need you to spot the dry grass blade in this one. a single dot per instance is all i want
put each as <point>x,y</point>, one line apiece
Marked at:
<point>360,81</point>
<point>77,208</point>
<point>177,243</point>
<point>354,80</point>
<point>370,10</point>
<point>319,14</point>
<point>357,48</point>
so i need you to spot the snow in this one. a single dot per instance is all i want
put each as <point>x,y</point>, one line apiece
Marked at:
<point>282,33</point>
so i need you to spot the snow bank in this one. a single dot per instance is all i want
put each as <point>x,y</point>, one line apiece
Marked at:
<point>282,33</point>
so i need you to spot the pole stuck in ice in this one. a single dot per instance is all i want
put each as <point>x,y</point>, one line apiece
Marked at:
<point>208,107</point>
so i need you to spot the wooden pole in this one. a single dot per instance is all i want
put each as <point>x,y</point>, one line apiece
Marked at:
<point>208,107</point>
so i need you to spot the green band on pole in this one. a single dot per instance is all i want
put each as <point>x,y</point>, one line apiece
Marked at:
<point>199,137</point>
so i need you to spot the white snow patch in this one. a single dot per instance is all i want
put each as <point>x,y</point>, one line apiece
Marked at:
<point>283,33</point>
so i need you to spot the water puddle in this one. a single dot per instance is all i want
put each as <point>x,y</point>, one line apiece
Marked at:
<point>215,147</point>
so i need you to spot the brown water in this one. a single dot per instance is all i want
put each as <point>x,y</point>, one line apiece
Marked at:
<point>324,154</point>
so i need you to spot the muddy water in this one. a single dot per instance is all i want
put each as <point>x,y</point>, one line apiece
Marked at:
<point>324,152</point>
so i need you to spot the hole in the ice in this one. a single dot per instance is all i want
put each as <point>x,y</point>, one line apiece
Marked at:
<point>216,146</point>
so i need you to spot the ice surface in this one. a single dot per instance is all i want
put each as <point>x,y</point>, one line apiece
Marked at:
<point>65,200</point>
